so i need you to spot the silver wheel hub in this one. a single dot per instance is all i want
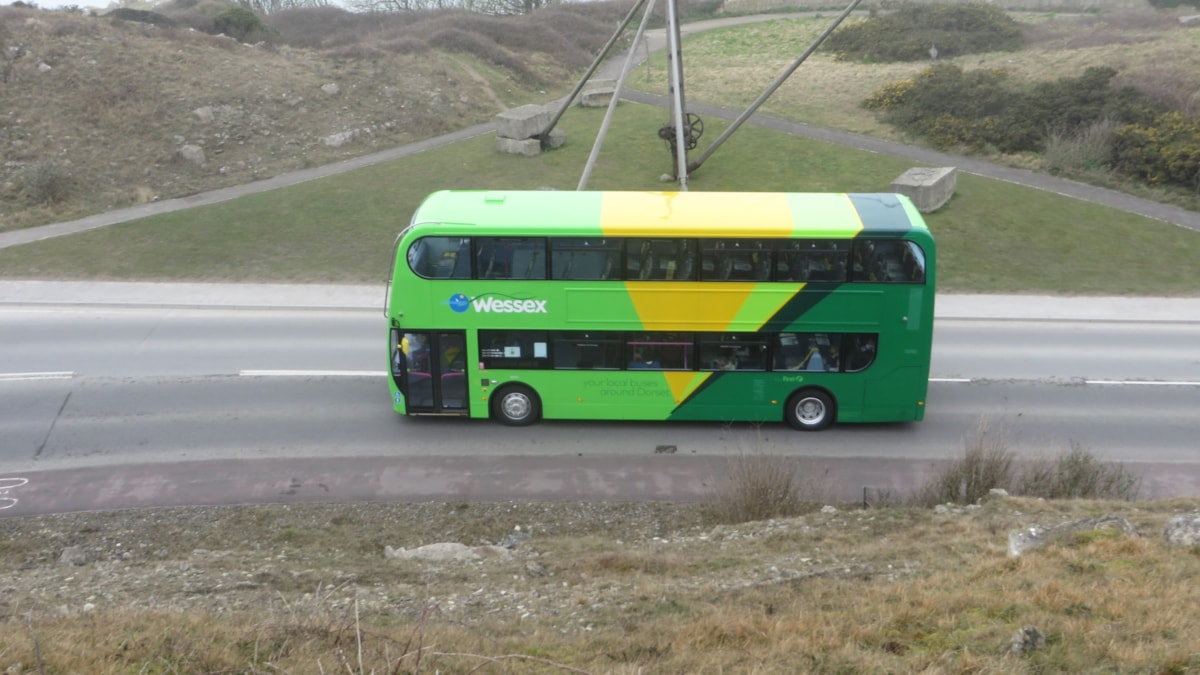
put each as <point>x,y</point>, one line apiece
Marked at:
<point>516,406</point>
<point>810,410</point>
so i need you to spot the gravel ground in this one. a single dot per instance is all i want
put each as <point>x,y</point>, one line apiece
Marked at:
<point>218,559</point>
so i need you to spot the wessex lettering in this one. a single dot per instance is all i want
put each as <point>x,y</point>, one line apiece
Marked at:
<point>509,306</point>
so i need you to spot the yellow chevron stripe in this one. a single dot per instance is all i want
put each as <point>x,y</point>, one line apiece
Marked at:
<point>715,306</point>
<point>659,214</point>
<point>683,384</point>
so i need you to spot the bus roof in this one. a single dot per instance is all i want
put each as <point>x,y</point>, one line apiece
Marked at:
<point>699,214</point>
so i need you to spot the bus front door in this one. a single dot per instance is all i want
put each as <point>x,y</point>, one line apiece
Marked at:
<point>435,377</point>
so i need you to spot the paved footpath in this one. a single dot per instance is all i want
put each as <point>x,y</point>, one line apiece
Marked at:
<point>370,298</point>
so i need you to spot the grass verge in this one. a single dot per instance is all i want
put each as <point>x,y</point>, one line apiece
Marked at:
<point>993,236</point>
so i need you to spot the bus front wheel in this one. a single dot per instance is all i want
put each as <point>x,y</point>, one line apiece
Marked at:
<point>516,406</point>
<point>810,410</point>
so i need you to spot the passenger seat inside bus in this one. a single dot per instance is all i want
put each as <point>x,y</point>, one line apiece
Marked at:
<point>493,262</point>
<point>454,390</point>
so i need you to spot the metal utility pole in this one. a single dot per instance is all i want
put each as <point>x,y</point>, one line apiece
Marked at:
<point>591,69</point>
<point>675,60</point>
<point>612,104</point>
<point>774,86</point>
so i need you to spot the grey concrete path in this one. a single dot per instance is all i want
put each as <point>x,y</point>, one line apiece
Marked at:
<point>370,298</point>
<point>654,41</point>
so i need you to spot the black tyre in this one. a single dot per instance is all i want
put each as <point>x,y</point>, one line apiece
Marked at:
<point>516,406</point>
<point>810,410</point>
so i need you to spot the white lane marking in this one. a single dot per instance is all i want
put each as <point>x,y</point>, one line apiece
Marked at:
<point>1152,383</point>
<point>7,484</point>
<point>52,375</point>
<point>312,373</point>
<point>1156,383</point>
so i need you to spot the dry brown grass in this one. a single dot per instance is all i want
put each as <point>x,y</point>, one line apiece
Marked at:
<point>125,95</point>
<point>891,590</point>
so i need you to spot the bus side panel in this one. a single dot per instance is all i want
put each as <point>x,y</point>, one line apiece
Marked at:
<point>899,397</point>
<point>761,397</point>
<point>582,394</point>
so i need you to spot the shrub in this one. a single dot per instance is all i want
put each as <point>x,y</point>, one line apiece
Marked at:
<point>946,105</point>
<point>140,16</point>
<point>239,23</point>
<point>984,109</point>
<point>196,14</point>
<point>909,33</point>
<point>1165,152</point>
<point>45,183</point>
<point>1171,4</point>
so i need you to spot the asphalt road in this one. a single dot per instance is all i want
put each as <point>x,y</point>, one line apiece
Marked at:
<point>1118,414</point>
<point>123,395</point>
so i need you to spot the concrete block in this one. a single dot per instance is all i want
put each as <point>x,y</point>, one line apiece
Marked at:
<point>928,189</point>
<point>557,139</point>
<point>597,93</point>
<point>529,147</point>
<point>596,98</point>
<point>524,122</point>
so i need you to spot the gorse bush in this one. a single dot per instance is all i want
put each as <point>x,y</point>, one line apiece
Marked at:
<point>946,105</point>
<point>981,109</point>
<point>1164,152</point>
<point>1080,123</point>
<point>915,32</point>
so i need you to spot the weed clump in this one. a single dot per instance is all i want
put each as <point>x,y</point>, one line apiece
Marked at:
<point>1078,474</point>
<point>988,463</point>
<point>760,486</point>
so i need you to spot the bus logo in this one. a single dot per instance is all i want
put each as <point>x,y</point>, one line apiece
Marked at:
<point>459,302</point>
<point>491,304</point>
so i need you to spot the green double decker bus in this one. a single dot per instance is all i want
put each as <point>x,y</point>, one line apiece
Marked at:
<point>759,307</point>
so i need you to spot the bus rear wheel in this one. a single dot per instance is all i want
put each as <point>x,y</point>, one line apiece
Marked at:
<point>810,410</point>
<point>516,406</point>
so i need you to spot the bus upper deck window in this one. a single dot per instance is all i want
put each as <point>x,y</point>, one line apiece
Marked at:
<point>735,260</point>
<point>660,259</point>
<point>585,258</point>
<point>889,261</point>
<point>441,257</point>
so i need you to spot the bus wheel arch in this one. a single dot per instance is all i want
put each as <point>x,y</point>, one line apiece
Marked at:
<point>516,405</point>
<point>810,409</point>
